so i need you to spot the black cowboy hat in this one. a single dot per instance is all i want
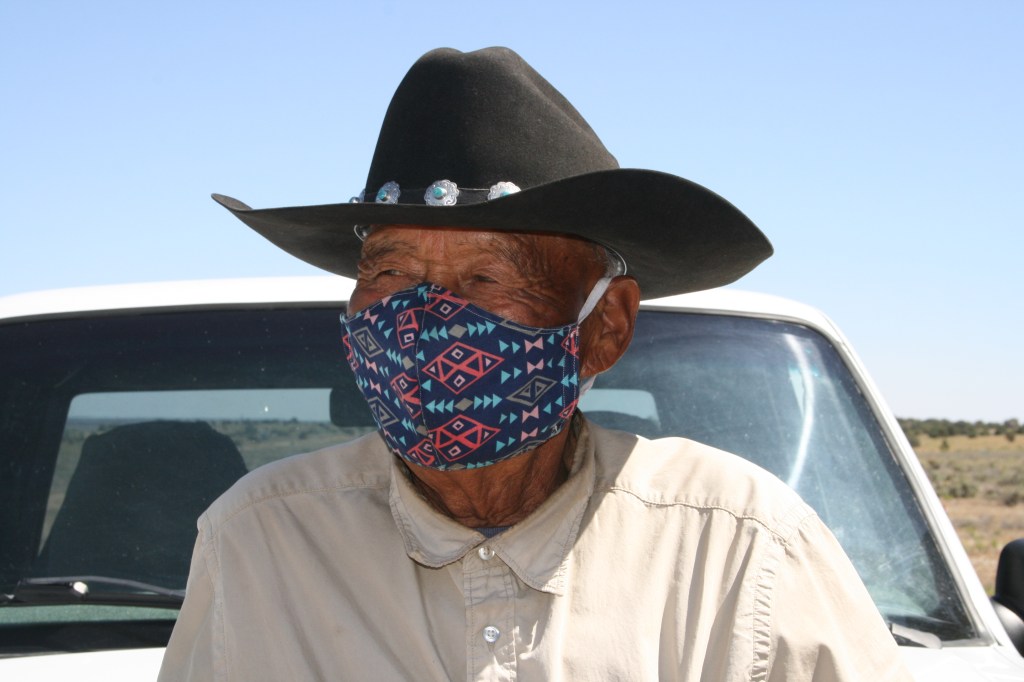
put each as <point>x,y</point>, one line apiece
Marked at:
<point>481,140</point>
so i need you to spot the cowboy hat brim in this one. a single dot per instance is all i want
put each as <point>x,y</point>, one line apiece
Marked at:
<point>674,235</point>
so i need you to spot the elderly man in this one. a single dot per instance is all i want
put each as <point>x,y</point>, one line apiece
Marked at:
<point>502,260</point>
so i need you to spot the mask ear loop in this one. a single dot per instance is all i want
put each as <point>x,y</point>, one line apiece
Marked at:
<point>595,295</point>
<point>588,307</point>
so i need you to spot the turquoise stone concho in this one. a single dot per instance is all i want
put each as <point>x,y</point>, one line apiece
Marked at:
<point>442,193</point>
<point>388,193</point>
<point>502,189</point>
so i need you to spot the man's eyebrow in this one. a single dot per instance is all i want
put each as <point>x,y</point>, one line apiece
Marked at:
<point>381,248</point>
<point>520,252</point>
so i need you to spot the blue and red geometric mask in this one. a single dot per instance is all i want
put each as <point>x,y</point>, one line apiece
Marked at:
<point>454,386</point>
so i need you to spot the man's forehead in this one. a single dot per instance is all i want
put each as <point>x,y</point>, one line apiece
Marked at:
<point>513,246</point>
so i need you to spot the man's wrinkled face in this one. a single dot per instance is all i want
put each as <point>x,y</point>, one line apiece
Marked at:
<point>537,280</point>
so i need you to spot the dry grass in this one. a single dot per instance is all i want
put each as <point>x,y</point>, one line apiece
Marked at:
<point>981,484</point>
<point>984,528</point>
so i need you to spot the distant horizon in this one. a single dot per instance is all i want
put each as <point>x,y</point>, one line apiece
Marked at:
<point>307,405</point>
<point>974,422</point>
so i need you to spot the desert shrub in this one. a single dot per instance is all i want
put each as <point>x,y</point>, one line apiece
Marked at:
<point>1013,478</point>
<point>957,487</point>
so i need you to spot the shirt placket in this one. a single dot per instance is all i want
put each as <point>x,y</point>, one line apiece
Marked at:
<point>489,591</point>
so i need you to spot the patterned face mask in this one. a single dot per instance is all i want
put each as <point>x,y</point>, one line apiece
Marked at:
<point>454,386</point>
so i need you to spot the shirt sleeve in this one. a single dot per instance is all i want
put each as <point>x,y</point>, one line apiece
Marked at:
<point>823,624</point>
<point>191,651</point>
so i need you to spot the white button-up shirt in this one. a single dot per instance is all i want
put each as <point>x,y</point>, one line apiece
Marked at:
<point>655,560</point>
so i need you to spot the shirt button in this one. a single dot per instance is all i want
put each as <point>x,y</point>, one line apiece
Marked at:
<point>486,553</point>
<point>491,634</point>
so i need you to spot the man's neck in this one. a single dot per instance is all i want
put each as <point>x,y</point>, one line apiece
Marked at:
<point>501,494</point>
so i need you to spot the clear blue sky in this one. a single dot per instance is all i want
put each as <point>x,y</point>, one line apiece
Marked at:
<point>878,144</point>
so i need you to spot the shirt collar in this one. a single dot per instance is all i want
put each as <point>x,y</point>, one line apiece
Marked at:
<point>535,548</point>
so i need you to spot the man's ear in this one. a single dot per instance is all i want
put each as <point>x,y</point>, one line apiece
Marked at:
<point>607,331</point>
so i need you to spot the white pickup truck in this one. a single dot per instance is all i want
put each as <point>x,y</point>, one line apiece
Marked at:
<point>125,410</point>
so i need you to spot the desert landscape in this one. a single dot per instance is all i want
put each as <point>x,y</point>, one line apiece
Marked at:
<point>980,480</point>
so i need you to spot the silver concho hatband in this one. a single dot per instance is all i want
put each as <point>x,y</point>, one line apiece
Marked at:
<point>440,193</point>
